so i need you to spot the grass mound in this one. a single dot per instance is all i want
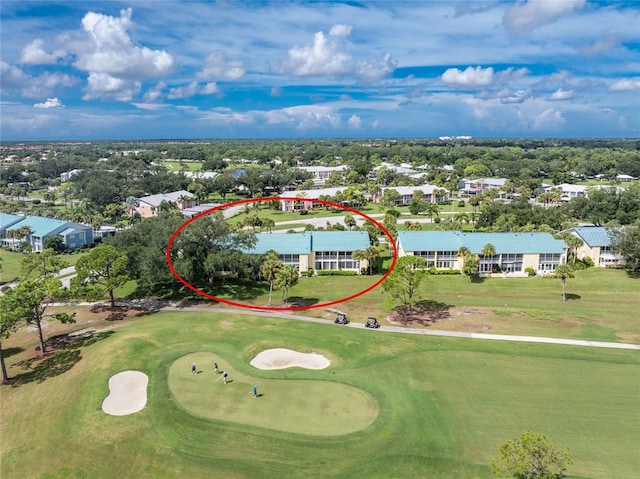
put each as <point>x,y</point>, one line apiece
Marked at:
<point>317,408</point>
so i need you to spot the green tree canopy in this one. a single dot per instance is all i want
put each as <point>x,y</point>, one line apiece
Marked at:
<point>531,456</point>
<point>102,271</point>
<point>403,284</point>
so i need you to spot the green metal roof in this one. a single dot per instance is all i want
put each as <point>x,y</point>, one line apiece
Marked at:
<point>593,235</point>
<point>339,240</point>
<point>504,243</point>
<point>7,220</point>
<point>304,243</point>
<point>47,226</point>
<point>282,243</point>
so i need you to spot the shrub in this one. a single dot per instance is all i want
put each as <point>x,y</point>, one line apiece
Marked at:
<point>530,271</point>
<point>437,220</point>
<point>309,272</point>
<point>588,261</point>
<point>444,271</point>
<point>304,212</point>
<point>461,204</point>
<point>444,202</point>
<point>338,272</point>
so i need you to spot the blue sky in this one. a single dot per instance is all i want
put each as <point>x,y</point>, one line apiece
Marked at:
<point>162,69</point>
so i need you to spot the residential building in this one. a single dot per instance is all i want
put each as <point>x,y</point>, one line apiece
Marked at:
<point>567,190</point>
<point>67,175</point>
<point>406,193</point>
<point>403,169</point>
<point>322,173</point>
<point>299,205</point>
<point>624,178</point>
<point>149,206</point>
<point>596,245</point>
<point>476,186</point>
<point>74,235</point>
<point>317,250</point>
<point>514,251</point>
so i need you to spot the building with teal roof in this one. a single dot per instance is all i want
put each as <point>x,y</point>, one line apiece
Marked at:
<point>38,229</point>
<point>596,244</point>
<point>514,252</point>
<point>317,250</point>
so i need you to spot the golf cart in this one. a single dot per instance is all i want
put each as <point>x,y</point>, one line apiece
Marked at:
<point>372,323</point>
<point>341,318</point>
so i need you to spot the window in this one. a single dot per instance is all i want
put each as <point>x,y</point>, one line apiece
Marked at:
<point>548,261</point>
<point>444,264</point>
<point>290,259</point>
<point>450,255</point>
<point>511,263</point>
<point>336,260</point>
<point>428,255</point>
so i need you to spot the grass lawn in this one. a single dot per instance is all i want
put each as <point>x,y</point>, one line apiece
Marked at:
<point>444,405</point>
<point>602,304</point>
<point>12,260</point>
<point>309,409</point>
<point>173,165</point>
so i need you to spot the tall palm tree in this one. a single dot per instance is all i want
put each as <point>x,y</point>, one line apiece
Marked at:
<point>489,251</point>
<point>432,209</point>
<point>285,278</point>
<point>132,203</point>
<point>269,269</point>
<point>564,271</point>
<point>463,252</point>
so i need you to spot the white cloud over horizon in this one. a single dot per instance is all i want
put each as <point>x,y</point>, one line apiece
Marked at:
<point>527,67</point>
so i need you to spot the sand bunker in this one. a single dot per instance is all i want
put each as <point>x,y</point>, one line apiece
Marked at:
<point>280,358</point>
<point>127,393</point>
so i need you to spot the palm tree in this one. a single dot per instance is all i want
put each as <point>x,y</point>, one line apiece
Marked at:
<point>349,221</point>
<point>489,251</point>
<point>432,209</point>
<point>463,252</point>
<point>285,278</point>
<point>132,203</point>
<point>268,224</point>
<point>359,255</point>
<point>564,271</point>
<point>269,269</point>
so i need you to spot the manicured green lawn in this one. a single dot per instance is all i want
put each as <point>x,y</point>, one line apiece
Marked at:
<point>312,407</point>
<point>444,405</point>
<point>11,262</point>
<point>602,304</point>
<point>181,165</point>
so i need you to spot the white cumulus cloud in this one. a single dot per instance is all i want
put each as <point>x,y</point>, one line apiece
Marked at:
<point>154,94</point>
<point>549,119</point>
<point>371,71</point>
<point>323,57</point>
<point>627,84</point>
<point>354,121</point>
<point>217,67</point>
<point>35,54</point>
<point>525,16</point>
<point>103,85</point>
<point>116,66</point>
<point>470,77</point>
<point>50,103</point>
<point>561,95</point>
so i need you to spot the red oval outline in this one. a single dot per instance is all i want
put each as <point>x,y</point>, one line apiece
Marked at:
<point>271,308</point>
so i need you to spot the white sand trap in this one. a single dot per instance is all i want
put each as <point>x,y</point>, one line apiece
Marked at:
<point>127,393</point>
<point>281,358</point>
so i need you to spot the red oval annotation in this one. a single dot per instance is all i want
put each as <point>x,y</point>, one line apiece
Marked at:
<point>280,308</point>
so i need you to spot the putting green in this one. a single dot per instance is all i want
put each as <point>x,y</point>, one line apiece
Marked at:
<point>318,408</point>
